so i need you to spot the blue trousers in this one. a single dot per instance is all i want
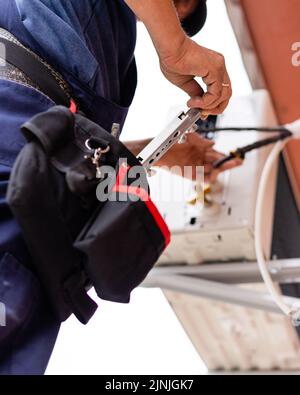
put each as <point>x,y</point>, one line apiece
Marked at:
<point>28,338</point>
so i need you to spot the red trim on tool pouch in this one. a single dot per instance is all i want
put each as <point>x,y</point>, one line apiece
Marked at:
<point>145,197</point>
<point>73,107</point>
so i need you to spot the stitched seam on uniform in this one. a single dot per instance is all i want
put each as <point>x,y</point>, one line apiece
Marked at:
<point>91,17</point>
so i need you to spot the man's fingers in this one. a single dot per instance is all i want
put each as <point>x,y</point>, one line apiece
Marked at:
<point>221,93</point>
<point>196,102</point>
<point>231,164</point>
<point>209,104</point>
<point>217,111</point>
<point>212,111</point>
<point>199,142</point>
<point>213,96</point>
<point>227,166</point>
<point>209,100</point>
<point>192,88</point>
<point>217,97</point>
<point>212,156</point>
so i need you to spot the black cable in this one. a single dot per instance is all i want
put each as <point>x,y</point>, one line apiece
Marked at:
<point>242,129</point>
<point>241,152</point>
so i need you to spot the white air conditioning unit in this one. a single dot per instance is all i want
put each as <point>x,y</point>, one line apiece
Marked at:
<point>222,230</point>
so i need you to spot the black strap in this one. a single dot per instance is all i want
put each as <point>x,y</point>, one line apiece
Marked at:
<point>83,307</point>
<point>36,71</point>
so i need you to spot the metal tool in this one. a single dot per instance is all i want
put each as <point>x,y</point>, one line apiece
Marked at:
<point>175,132</point>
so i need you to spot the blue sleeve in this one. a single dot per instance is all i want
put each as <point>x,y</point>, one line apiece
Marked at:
<point>58,28</point>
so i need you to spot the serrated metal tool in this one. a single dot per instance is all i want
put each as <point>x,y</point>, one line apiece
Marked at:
<point>184,123</point>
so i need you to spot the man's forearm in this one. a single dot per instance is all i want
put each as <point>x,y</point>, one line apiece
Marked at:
<point>137,146</point>
<point>162,22</point>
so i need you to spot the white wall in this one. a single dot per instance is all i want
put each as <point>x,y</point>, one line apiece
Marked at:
<point>145,337</point>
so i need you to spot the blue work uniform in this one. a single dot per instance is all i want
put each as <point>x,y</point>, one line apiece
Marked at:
<point>91,43</point>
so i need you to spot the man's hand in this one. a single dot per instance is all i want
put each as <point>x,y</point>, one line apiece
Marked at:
<point>190,60</point>
<point>182,59</point>
<point>197,151</point>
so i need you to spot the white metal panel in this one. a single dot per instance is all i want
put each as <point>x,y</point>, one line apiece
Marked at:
<point>230,337</point>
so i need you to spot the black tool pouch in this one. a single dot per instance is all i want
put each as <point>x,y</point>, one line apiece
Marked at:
<point>83,228</point>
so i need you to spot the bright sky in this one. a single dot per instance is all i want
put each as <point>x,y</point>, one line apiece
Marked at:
<point>145,337</point>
